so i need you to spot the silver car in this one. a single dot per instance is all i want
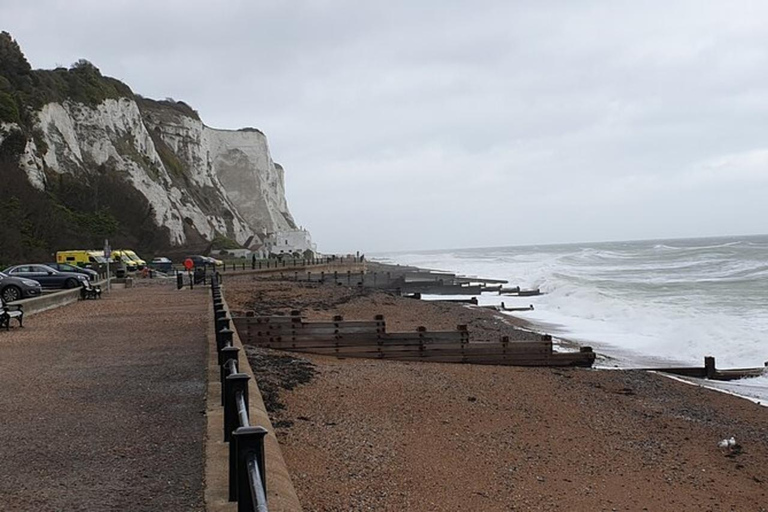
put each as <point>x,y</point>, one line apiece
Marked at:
<point>15,288</point>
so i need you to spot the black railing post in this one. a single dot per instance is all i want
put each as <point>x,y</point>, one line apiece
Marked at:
<point>249,445</point>
<point>223,339</point>
<point>233,384</point>
<point>227,354</point>
<point>222,323</point>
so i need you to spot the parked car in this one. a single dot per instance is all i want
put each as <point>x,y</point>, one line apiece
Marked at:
<point>162,264</point>
<point>66,267</point>
<point>47,277</point>
<point>15,288</point>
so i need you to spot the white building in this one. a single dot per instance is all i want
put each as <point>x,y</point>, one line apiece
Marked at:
<point>288,242</point>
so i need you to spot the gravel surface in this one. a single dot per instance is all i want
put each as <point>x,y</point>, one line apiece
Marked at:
<point>103,404</point>
<point>382,435</point>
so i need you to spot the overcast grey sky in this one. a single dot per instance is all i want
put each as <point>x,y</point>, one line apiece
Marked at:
<point>443,124</point>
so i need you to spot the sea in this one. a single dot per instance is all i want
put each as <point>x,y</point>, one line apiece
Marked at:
<point>639,304</point>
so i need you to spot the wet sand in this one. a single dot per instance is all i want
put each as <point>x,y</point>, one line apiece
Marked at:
<point>381,435</point>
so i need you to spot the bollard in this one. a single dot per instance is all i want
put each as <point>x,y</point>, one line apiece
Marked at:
<point>191,282</point>
<point>249,448</point>
<point>322,276</point>
<point>226,355</point>
<point>349,277</point>
<point>295,276</point>
<point>335,276</point>
<point>309,276</point>
<point>179,281</point>
<point>259,265</point>
<point>219,314</point>
<point>233,384</point>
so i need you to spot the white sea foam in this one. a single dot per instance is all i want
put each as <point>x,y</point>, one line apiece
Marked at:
<point>640,303</point>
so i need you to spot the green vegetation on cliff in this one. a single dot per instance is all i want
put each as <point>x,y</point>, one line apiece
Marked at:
<point>73,211</point>
<point>24,90</point>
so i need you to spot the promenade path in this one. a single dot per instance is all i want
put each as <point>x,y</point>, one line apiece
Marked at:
<point>102,404</point>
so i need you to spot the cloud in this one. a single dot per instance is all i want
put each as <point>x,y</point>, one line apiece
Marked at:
<point>446,124</point>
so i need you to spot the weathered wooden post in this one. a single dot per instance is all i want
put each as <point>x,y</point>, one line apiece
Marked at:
<point>709,367</point>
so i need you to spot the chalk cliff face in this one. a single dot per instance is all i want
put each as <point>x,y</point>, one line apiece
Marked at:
<point>214,182</point>
<point>236,162</point>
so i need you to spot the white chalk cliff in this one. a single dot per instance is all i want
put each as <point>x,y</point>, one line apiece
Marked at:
<point>194,177</point>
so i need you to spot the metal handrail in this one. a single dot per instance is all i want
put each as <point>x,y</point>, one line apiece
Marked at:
<point>246,442</point>
<point>257,487</point>
<point>242,411</point>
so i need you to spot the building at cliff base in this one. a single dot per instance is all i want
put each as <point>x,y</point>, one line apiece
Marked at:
<point>288,242</point>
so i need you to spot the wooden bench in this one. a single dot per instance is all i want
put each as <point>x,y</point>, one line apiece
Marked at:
<point>9,311</point>
<point>89,291</point>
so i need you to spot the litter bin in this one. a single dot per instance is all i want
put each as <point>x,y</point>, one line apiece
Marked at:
<point>120,272</point>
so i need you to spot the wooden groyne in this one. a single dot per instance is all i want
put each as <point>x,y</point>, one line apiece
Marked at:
<point>402,280</point>
<point>710,371</point>
<point>370,339</point>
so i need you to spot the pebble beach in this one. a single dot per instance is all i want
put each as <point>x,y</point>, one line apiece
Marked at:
<point>362,434</point>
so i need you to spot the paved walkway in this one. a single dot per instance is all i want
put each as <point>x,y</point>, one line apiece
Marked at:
<point>102,404</point>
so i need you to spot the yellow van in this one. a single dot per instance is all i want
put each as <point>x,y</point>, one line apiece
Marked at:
<point>121,258</point>
<point>86,259</point>
<point>140,263</point>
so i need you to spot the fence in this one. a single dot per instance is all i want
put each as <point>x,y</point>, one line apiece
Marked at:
<point>247,475</point>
